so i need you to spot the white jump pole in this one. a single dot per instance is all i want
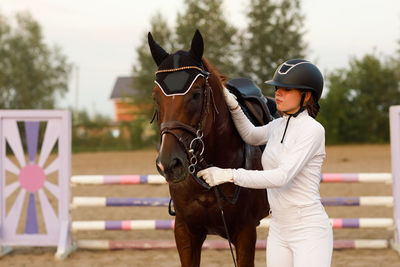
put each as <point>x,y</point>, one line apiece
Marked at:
<point>395,155</point>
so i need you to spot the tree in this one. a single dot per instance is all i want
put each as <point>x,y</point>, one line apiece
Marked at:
<point>32,75</point>
<point>143,78</point>
<point>219,36</point>
<point>145,68</point>
<point>274,34</point>
<point>356,107</point>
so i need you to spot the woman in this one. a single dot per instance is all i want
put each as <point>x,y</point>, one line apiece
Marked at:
<point>300,233</point>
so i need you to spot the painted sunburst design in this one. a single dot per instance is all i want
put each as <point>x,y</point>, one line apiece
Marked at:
<point>34,186</point>
<point>31,177</point>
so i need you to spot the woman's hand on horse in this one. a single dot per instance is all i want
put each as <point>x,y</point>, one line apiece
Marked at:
<point>230,100</point>
<point>215,176</point>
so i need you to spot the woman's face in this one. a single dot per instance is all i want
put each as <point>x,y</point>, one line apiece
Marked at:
<point>287,99</point>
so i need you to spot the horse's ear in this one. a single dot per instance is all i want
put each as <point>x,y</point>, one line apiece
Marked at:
<point>157,51</point>
<point>197,47</point>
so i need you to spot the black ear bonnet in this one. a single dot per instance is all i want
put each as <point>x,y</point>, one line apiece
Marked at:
<point>177,72</point>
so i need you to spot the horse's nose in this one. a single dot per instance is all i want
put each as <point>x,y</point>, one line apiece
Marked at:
<point>160,166</point>
<point>172,169</point>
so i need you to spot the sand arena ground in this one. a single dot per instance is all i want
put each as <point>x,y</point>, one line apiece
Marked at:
<point>352,158</point>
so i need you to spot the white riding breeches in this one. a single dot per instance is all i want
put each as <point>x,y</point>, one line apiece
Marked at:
<point>300,237</point>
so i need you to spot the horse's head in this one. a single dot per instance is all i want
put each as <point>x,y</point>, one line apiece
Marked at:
<point>183,99</point>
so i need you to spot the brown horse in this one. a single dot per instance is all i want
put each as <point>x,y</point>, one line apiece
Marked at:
<point>196,130</point>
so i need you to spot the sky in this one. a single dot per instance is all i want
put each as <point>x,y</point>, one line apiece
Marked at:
<point>100,37</point>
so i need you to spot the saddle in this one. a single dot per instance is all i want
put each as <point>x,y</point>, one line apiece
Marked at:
<point>259,109</point>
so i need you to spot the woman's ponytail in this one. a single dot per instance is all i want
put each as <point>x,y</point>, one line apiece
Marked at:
<point>312,107</point>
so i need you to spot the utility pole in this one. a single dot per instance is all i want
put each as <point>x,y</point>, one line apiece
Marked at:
<point>76,109</point>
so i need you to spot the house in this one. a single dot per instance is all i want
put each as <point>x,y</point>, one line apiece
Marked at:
<point>121,95</point>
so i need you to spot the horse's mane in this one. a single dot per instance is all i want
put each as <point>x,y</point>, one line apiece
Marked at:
<point>215,79</point>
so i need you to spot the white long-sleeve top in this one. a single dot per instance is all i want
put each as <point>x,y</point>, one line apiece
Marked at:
<point>292,169</point>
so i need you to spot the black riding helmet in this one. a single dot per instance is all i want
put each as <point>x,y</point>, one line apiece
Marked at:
<point>299,74</point>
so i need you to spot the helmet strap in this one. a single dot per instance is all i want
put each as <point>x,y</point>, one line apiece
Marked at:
<point>303,95</point>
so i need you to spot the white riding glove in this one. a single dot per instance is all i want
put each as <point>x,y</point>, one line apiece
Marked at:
<point>215,176</point>
<point>230,99</point>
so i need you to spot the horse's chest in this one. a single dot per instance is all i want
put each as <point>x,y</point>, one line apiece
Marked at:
<point>197,209</point>
<point>205,200</point>
<point>196,203</point>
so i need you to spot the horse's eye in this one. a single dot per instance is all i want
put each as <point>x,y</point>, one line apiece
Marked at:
<point>196,95</point>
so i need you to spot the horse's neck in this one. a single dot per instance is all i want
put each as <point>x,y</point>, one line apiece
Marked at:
<point>227,145</point>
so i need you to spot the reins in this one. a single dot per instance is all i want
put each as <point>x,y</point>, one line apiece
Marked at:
<point>216,191</point>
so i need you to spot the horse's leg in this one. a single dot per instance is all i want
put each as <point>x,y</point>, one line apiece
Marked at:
<point>188,244</point>
<point>245,245</point>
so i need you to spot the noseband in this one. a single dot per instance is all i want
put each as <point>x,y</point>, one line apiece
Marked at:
<point>196,147</point>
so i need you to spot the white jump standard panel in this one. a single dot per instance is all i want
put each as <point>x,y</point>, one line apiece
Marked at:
<point>394,114</point>
<point>24,172</point>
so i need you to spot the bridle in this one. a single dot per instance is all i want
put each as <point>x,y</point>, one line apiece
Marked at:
<point>196,149</point>
<point>196,146</point>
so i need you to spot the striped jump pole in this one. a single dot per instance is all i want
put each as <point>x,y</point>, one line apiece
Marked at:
<point>119,202</point>
<point>386,201</point>
<point>337,223</point>
<point>117,179</point>
<point>158,179</point>
<point>213,244</point>
<point>356,178</point>
<point>163,202</point>
<point>122,225</point>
